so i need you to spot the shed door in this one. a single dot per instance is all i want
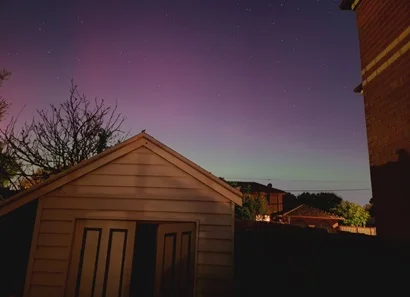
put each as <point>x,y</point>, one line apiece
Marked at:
<point>101,259</point>
<point>175,260</point>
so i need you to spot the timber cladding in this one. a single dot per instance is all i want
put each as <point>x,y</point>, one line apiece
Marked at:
<point>137,186</point>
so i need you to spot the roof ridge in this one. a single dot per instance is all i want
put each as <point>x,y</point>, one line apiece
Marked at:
<point>330,214</point>
<point>62,177</point>
<point>325,211</point>
<point>297,207</point>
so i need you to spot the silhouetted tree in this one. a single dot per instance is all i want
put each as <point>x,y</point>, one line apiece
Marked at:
<point>4,75</point>
<point>62,136</point>
<point>290,201</point>
<point>324,201</point>
<point>8,167</point>
<point>370,207</point>
<point>8,164</point>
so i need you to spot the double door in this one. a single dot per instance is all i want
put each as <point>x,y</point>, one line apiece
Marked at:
<point>106,254</point>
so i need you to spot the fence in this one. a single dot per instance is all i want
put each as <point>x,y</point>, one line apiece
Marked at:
<point>361,230</point>
<point>273,259</point>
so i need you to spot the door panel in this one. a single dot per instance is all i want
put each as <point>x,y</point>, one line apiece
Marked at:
<point>88,260</point>
<point>186,263</point>
<point>175,260</point>
<point>115,262</point>
<point>101,259</point>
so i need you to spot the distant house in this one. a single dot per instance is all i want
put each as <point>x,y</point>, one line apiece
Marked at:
<point>306,216</point>
<point>273,195</point>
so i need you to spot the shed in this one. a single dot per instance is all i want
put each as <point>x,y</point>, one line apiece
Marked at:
<point>138,219</point>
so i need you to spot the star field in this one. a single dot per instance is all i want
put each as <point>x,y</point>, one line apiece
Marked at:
<point>247,89</point>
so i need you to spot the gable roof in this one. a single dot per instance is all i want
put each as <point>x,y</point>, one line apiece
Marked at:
<point>140,140</point>
<point>310,212</point>
<point>257,187</point>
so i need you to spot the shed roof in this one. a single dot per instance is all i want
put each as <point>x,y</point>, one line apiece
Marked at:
<point>310,212</point>
<point>86,166</point>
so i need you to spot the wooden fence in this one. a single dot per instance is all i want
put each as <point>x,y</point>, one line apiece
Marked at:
<point>272,259</point>
<point>361,230</point>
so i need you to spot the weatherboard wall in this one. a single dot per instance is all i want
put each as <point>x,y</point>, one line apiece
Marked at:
<point>138,186</point>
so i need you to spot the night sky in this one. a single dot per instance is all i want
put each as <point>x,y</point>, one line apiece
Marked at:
<point>250,90</point>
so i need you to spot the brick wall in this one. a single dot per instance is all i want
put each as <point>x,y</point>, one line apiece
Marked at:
<point>384,38</point>
<point>275,203</point>
<point>379,22</point>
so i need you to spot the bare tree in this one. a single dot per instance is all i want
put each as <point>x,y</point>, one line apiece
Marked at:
<point>62,136</point>
<point>4,75</point>
<point>8,164</point>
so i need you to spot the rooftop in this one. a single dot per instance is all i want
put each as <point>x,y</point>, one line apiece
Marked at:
<point>308,211</point>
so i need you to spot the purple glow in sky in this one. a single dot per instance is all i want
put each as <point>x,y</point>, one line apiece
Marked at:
<point>250,90</point>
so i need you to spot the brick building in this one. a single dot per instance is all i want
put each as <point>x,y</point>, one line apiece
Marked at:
<point>384,39</point>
